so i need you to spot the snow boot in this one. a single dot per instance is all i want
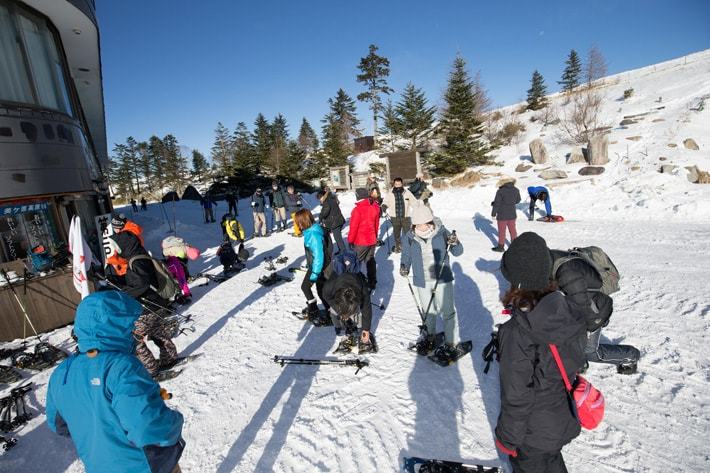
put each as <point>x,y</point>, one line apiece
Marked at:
<point>445,352</point>
<point>627,368</point>
<point>498,249</point>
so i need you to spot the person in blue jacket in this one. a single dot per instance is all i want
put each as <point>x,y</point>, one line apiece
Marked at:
<point>105,399</point>
<point>318,255</point>
<point>539,193</point>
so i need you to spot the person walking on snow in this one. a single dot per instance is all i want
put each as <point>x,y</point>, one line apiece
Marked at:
<point>318,253</point>
<point>362,235</point>
<point>348,296</point>
<point>398,205</point>
<point>207,204</point>
<point>507,196</point>
<point>293,203</point>
<point>232,201</point>
<point>258,205</point>
<point>278,207</point>
<point>425,249</point>
<point>134,205</point>
<point>536,419</point>
<point>331,216</point>
<point>106,402</point>
<point>542,194</point>
<point>144,204</point>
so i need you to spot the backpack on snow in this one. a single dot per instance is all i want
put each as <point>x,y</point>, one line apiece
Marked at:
<point>168,286</point>
<point>597,259</point>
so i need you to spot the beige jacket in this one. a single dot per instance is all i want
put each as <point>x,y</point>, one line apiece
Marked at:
<point>409,201</point>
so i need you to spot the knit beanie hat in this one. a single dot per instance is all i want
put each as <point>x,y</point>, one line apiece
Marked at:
<point>527,264</point>
<point>119,221</point>
<point>361,193</point>
<point>421,214</point>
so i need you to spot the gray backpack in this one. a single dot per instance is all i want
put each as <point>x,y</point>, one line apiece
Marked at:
<point>168,286</point>
<point>597,259</point>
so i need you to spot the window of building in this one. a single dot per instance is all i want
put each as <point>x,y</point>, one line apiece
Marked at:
<point>25,226</point>
<point>32,71</point>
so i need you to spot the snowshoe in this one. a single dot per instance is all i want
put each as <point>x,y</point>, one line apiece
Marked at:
<point>627,368</point>
<point>281,260</point>
<point>424,345</point>
<point>7,443</point>
<point>426,465</point>
<point>320,319</point>
<point>369,347</point>
<point>8,352</point>
<point>180,360</point>
<point>8,375</point>
<point>165,375</point>
<point>446,355</point>
<point>273,279</point>
<point>49,353</point>
<point>300,315</point>
<point>346,344</point>
<point>270,264</point>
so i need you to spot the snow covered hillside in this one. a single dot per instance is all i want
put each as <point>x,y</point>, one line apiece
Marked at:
<point>245,413</point>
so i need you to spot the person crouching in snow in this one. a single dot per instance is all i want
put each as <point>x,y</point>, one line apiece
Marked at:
<point>425,249</point>
<point>504,212</point>
<point>231,228</point>
<point>349,295</point>
<point>318,253</point>
<point>106,399</point>
<point>535,419</point>
<point>229,259</point>
<point>542,194</point>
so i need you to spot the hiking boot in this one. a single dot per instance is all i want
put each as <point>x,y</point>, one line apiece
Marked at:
<point>445,352</point>
<point>498,249</point>
<point>626,368</point>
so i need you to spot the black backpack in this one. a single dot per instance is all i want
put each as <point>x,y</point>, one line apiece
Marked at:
<point>597,259</point>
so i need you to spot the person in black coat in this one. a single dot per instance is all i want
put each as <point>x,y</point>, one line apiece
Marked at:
<point>331,217</point>
<point>535,419</point>
<point>507,196</point>
<point>349,295</point>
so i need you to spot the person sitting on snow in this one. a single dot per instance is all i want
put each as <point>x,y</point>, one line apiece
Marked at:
<point>542,194</point>
<point>349,295</point>
<point>106,402</point>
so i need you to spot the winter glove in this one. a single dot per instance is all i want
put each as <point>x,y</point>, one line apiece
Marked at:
<point>453,240</point>
<point>403,271</point>
<point>253,204</point>
<point>298,202</point>
<point>313,277</point>
<point>513,452</point>
<point>384,208</point>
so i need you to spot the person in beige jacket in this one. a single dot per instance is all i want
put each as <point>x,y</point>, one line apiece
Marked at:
<point>398,205</point>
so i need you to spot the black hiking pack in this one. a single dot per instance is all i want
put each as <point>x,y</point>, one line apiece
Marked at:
<point>597,259</point>
<point>168,286</point>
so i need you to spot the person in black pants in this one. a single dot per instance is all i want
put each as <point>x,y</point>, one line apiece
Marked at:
<point>232,200</point>
<point>331,217</point>
<point>398,205</point>
<point>318,255</point>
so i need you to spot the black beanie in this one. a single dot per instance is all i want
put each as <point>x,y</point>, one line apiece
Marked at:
<point>119,221</point>
<point>361,193</point>
<point>527,264</point>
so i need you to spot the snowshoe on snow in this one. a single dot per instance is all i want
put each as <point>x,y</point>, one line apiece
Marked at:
<point>426,343</point>
<point>166,374</point>
<point>281,260</point>
<point>7,443</point>
<point>8,375</point>
<point>426,465</point>
<point>446,355</point>
<point>180,360</point>
<point>346,344</point>
<point>369,347</point>
<point>269,264</point>
<point>44,356</point>
<point>273,279</point>
<point>627,368</point>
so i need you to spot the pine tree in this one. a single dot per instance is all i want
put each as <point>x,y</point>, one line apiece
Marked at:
<point>537,92</point>
<point>335,148</point>
<point>572,72</point>
<point>133,158</point>
<point>415,117</point>
<point>307,138</point>
<point>175,163</point>
<point>156,157</point>
<point>144,165</point>
<point>460,125</point>
<point>121,173</point>
<point>279,143</point>
<point>222,151</point>
<point>342,107</point>
<point>391,127</point>
<point>261,140</point>
<point>375,70</point>
<point>244,157</point>
<point>200,167</point>
<point>294,159</point>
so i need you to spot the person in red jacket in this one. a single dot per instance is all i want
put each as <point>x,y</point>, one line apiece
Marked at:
<point>362,236</point>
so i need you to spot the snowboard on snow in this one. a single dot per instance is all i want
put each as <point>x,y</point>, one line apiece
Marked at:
<point>552,219</point>
<point>438,340</point>
<point>462,349</point>
<point>427,465</point>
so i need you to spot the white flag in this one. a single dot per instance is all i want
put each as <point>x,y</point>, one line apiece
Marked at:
<point>82,257</point>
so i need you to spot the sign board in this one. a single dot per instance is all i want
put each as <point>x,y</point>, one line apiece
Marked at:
<point>404,164</point>
<point>104,228</point>
<point>340,177</point>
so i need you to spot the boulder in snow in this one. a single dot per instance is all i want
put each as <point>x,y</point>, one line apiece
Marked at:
<point>591,170</point>
<point>576,156</point>
<point>672,145</point>
<point>598,150</point>
<point>626,122</point>
<point>696,176</point>
<point>538,151</point>
<point>467,179</point>
<point>633,138</point>
<point>690,143</point>
<point>522,167</point>
<point>668,168</point>
<point>549,174</point>
<point>439,183</point>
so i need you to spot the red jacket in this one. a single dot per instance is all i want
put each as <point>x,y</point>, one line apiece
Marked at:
<point>364,223</point>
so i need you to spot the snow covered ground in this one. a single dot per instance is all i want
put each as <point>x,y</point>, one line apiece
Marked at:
<point>245,413</point>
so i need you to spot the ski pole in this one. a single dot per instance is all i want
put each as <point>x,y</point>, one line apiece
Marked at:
<point>438,276</point>
<point>22,307</point>
<point>389,244</point>
<point>360,364</point>
<point>379,306</point>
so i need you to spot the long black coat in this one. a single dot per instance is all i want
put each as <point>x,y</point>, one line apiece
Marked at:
<point>359,284</point>
<point>330,215</point>
<point>140,275</point>
<point>535,413</point>
<point>575,278</point>
<point>504,203</point>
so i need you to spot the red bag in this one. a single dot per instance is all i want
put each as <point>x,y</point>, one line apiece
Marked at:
<point>587,401</point>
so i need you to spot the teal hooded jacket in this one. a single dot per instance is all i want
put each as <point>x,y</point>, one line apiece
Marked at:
<point>108,403</point>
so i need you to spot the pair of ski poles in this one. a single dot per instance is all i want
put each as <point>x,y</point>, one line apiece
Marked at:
<point>358,363</point>
<point>22,306</point>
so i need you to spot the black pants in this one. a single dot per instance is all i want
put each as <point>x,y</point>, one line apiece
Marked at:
<point>606,353</point>
<point>233,208</point>
<point>307,285</point>
<point>538,462</point>
<point>400,225</point>
<point>366,254</point>
<point>338,237</point>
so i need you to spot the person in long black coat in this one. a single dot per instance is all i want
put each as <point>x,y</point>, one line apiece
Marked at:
<point>507,196</point>
<point>331,217</point>
<point>536,419</point>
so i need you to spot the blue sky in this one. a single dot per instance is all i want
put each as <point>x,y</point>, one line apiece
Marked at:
<point>181,66</point>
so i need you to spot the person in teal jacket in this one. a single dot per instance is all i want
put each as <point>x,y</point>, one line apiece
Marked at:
<point>105,399</point>
<point>539,193</point>
<point>318,255</point>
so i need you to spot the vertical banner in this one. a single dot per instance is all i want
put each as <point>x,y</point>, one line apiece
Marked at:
<point>81,257</point>
<point>105,230</point>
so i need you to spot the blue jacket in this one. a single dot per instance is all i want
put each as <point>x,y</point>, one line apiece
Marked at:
<point>314,242</point>
<point>412,254</point>
<point>260,202</point>
<point>108,403</point>
<point>533,191</point>
<point>292,202</point>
